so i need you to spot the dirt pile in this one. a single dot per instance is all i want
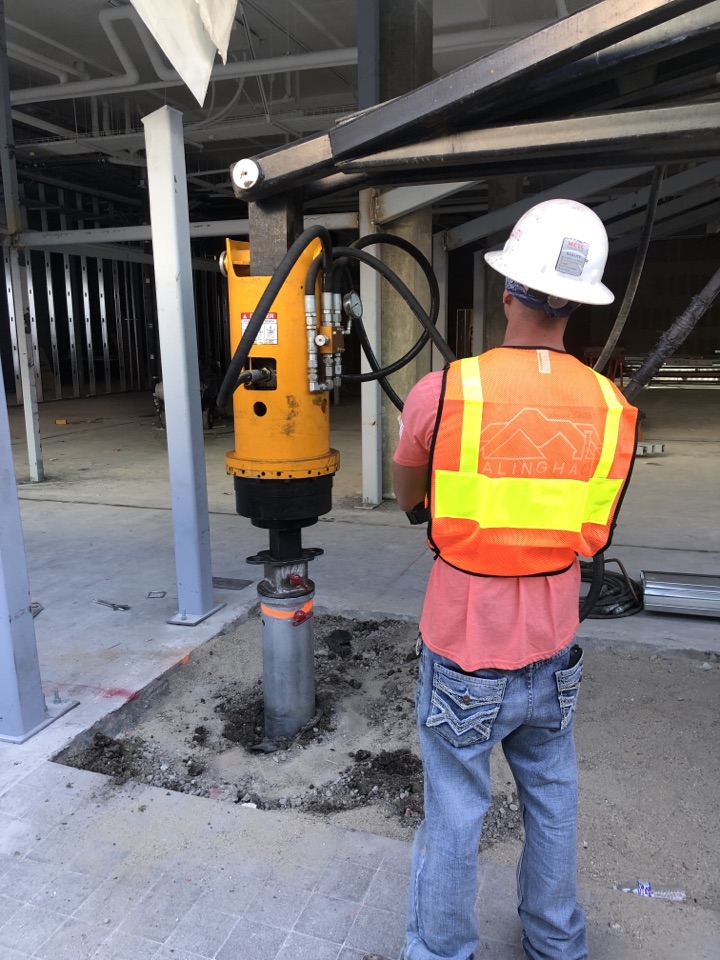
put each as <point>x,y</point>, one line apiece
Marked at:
<point>200,730</point>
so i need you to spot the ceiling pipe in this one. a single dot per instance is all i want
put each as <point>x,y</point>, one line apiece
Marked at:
<point>481,39</point>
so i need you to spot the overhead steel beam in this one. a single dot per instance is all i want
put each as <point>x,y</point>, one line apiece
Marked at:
<point>574,189</point>
<point>453,98</point>
<point>634,136</point>
<point>207,228</point>
<point>399,201</point>
<point>698,200</point>
<point>670,185</point>
<point>692,218</point>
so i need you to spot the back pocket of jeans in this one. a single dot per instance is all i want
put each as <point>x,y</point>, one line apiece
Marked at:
<point>463,708</point>
<point>568,686</point>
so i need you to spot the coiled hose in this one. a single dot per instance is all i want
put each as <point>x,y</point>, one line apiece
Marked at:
<point>618,595</point>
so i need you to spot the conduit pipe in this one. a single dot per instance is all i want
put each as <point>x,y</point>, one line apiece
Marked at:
<point>491,38</point>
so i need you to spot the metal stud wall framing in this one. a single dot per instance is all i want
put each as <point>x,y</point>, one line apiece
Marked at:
<point>92,323</point>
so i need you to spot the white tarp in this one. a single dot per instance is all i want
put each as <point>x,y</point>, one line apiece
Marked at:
<point>189,33</point>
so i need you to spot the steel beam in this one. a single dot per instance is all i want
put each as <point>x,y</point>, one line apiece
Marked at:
<point>669,227</point>
<point>574,189</point>
<point>399,201</point>
<point>663,134</point>
<point>467,94</point>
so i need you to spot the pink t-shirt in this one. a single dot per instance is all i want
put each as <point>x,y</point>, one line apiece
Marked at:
<point>500,622</point>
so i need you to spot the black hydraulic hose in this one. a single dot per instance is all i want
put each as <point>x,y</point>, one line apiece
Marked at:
<point>636,272</point>
<point>619,595</point>
<point>273,288</point>
<point>595,575</point>
<point>407,296</point>
<point>426,267</point>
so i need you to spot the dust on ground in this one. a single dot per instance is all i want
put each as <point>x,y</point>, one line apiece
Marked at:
<point>646,737</point>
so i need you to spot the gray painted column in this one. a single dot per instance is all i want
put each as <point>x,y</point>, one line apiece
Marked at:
<point>370,412</point>
<point>440,268</point>
<point>502,191</point>
<point>169,218</point>
<point>18,266</point>
<point>22,704</point>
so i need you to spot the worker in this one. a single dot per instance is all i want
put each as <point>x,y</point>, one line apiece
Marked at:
<point>522,454</point>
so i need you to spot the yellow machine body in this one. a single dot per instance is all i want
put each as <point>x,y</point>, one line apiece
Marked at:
<point>282,430</point>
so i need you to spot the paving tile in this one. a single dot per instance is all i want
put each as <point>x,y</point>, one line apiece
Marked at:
<point>111,902</point>
<point>252,941</point>
<point>388,890</point>
<point>17,837</point>
<point>368,849</point>
<point>124,946</point>
<point>5,863</point>
<point>167,953</point>
<point>25,878</point>
<point>500,922</point>
<point>327,918</point>
<point>494,950</point>
<point>66,890</point>
<point>74,940</point>
<point>159,913</point>
<point>496,882</point>
<point>7,908</point>
<point>347,953</point>
<point>299,947</point>
<point>377,931</point>
<point>201,931</point>
<point>29,927</point>
<point>397,855</point>
<point>278,903</point>
<point>346,880</point>
<point>232,890</point>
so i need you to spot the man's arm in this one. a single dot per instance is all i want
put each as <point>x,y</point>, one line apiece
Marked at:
<point>410,485</point>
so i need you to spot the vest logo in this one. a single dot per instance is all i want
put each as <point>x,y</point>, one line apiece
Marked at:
<point>532,444</point>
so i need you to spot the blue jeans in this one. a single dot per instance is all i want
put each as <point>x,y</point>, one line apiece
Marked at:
<point>461,716</point>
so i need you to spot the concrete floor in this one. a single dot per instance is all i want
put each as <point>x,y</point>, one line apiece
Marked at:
<point>82,877</point>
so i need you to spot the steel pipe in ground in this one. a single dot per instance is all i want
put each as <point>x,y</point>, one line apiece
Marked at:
<point>288,662</point>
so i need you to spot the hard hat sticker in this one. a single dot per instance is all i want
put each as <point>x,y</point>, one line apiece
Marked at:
<point>268,332</point>
<point>573,257</point>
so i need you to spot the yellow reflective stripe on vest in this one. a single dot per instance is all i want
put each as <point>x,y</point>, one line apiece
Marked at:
<point>472,415</point>
<point>522,502</point>
<point>612,428</point>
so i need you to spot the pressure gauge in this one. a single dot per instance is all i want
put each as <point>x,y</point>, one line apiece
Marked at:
<point>352,305</point>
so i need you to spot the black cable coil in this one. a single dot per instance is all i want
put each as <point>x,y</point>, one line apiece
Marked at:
<point>620,595</point>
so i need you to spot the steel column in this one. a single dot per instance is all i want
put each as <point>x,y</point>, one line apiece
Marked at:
<point>119,333</point>
<point>22,704</point>
<point>370,411</point>
<point>50,301</point>
<point>169,217</point>
<point>89,348</point>
<point>440,268</point>
<point>75,365</point>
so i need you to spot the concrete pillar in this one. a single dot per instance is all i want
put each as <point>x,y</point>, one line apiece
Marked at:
<point>400,329</point>
<point>395,57</point>
<point>502,191</point>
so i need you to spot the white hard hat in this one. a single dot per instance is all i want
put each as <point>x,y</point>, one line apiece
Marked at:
<point>560,248</point>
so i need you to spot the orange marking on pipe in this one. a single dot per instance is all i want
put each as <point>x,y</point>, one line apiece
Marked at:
<point>305,609</point>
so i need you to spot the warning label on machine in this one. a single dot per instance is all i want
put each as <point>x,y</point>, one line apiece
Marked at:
<point>268,332</point>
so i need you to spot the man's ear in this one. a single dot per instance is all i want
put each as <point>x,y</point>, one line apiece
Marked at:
<point>507,298</point>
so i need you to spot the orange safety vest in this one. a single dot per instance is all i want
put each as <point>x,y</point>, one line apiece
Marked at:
<point>528,464</point>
